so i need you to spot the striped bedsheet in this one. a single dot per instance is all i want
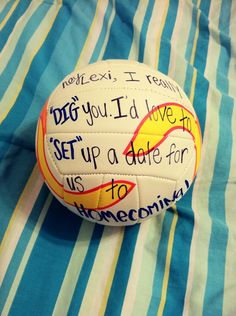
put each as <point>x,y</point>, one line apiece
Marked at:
<point>182,262</point>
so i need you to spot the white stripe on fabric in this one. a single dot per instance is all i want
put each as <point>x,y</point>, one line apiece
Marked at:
<point>139,278</point>
<point>230,193</point>
<point>72,273</point>
<point>31,50</point>
<point>198,264</point>
<point>178,64</point>
<point>137,26</point>
<point>107,254</point>
<point>12,41</point>
<point>93,35</point>
<point>214,46</point>
<point>18,220</point>
<point>153,36</point>
<point>232,65</point>
<point>135,272</point>
<point>9,13</point>
<point>111,18</point>
<point>176,37</point>
<point>24,205</point>
<point>26,256</point>
<point>3,4</point>
<point>148,266</point>
<point>229,286</point>
<point>77,257</point>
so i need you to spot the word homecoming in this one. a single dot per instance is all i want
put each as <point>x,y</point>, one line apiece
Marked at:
<point>133,215</point>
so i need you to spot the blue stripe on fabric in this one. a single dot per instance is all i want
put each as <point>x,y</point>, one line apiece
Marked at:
<point>85,271</point>
<point>33,24</point>
<point>203,38</point>
<point>202,84</point>
<point>200,99</point>
<point>5,10</point>
<point>123,267</point>
<point>188,82</point>
<point>160,264</point>
<point>143,33</point>
<point>31,104</point>
<point>15,169</point>
<point>43,76</point>
<point>222,82</point>
<point>191,33</point>
<point>21,246</point>
<point>45,269</point>
<point>225,51</point>
<point>121,34</point>
<point>184,229</point>
<point>180,257</point>
<point>26,101</point>
<point>219,230</point>
<point>103,33</point>
<point>213,300</point>
<point>24,160</point>
<point>122,270</point>
<point>15,16</point>
<point>47,75</point>
<point>165,47</point>
<point>205,8</point>
<point>225,15</point>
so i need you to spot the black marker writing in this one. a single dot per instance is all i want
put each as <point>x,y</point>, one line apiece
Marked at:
<point>84,78</point>
<point>146,156</point>
<point>94,111</point>
<point>186,122</point>
<point>131,75</point>
<point>161,113</point>
<point>176,155</point>
<point>75,184</point>
<point>164,83</point>
<point>121,192</point>
<point>90,154</point>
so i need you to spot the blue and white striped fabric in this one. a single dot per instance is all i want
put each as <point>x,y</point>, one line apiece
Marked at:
<point>182,262</point>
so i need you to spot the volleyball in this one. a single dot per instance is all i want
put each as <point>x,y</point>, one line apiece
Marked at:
<point>118,142</point>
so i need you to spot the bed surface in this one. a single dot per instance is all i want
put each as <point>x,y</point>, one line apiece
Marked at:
<point>182,262</point>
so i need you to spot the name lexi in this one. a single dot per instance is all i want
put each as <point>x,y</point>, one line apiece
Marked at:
<point>132,215</point>
<point>84,79</point>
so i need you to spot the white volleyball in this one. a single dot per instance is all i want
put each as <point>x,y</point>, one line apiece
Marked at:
<point>118,142</point>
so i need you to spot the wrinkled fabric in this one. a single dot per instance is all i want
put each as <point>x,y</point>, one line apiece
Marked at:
<point>181,262</point>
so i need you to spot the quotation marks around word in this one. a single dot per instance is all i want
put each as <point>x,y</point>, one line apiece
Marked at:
<point>64,149</point>
<point>79,138</point>
<point>75,98</point>
<point>69,111</point>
